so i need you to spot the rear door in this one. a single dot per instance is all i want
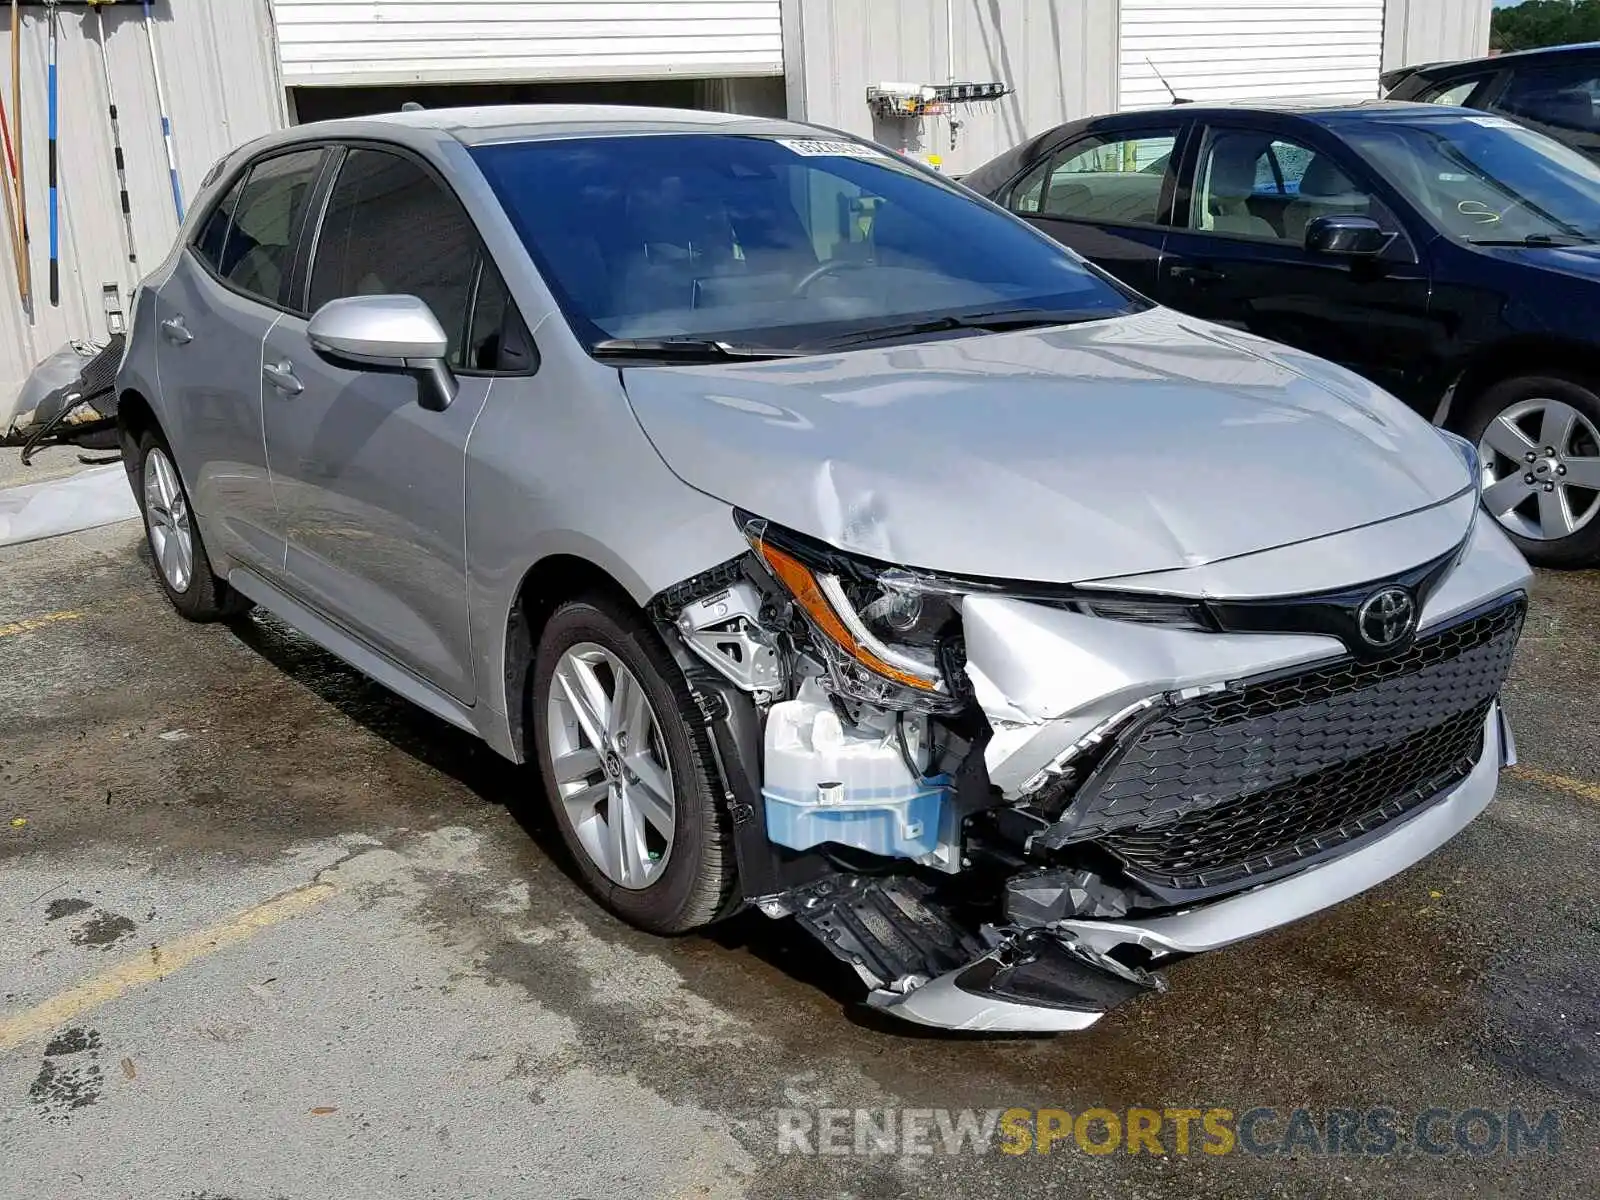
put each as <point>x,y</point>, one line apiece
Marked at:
<point>1107,194</point>
<point>213,312</point>
<point>373,485</point>
<point>1237,255</point>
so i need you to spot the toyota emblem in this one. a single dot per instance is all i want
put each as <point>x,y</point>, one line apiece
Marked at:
<point>1386,618</point>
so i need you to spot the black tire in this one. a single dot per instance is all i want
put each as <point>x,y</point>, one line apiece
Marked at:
<point>694,886</point>
<point>1579,549</point>
<point>204,597</point>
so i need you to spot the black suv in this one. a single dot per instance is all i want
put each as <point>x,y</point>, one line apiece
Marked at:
<point>1555,90</point>
<point>1449,255</point>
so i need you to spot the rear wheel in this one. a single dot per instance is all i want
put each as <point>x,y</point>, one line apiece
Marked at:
<point>177,552</point>
<point>1539,439</point>
<point>625,769</point>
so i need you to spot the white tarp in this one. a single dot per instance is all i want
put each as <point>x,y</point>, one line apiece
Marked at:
<point>56,506</point>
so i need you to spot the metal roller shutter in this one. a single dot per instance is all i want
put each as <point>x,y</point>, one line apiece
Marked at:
<point>376,42</point>
<point>1246,49</point>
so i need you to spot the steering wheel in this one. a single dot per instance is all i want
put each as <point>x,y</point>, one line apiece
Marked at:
<point>831,267</point>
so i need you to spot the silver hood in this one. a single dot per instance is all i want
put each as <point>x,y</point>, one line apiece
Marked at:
<point>1132,445</point>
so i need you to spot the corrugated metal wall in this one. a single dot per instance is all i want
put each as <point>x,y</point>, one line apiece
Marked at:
<point>220,76</point>
<point>1060,56</point>
<point>332,42</point>
<point>1249,49</point>
<point>1420,31</point>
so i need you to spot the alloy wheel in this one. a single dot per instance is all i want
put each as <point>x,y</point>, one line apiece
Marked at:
<point>167,510</point>
<point>611,765</point>
<point>1541,469</point>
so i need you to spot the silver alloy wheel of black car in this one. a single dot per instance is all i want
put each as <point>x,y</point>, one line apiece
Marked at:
<point>611,765</point>
<point>171,536</point>
<point>1541,469</point>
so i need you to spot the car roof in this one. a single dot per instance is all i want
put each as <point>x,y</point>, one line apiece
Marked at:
<point>485,124</point>
<point>1287,106</point>
<point>1451,66</point>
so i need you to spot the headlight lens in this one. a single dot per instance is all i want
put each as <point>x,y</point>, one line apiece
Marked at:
<point>889,622</point>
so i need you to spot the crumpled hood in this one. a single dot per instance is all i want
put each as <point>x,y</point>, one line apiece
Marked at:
<point>1131,445</point>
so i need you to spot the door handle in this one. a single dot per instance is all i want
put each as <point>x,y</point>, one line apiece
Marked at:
<point>175,331</point>
<point>282,377</point>
<point>1196,275</point>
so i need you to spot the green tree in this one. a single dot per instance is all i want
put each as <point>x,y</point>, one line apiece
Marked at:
<point>1545,23</point>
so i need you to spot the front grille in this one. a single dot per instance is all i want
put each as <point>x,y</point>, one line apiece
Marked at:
<point>1224,787</point>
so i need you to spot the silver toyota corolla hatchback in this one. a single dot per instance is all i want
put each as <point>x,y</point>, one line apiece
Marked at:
<point>835,543</point>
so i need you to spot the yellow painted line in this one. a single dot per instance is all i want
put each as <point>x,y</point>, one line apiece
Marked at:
<point>1561,783</point>
<point>32,623</point>
<point>156,963</point>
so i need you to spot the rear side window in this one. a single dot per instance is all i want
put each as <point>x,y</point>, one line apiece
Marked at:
<point>1116,180</point>
<point>392,229</point>
<point>249,238</point>
<point>1452,93</point>
<point>1566,98</point>
<point>212,239</point>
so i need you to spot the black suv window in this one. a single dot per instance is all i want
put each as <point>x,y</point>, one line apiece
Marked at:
<point>1565,97</point>
<point>249,238</point>
<point>392,229</point>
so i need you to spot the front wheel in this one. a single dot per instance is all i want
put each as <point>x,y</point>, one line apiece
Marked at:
<point>625,769</point>
<point>1539,439</point>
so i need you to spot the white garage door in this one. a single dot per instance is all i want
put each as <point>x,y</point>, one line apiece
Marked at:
<point>1249,49</point>
<point>374,42</point>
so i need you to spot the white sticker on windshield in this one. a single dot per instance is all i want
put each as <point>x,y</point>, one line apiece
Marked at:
<point>1494,122</point>
<point>819,148</point>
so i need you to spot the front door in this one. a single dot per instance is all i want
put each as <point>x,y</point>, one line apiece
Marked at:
<point>1106,196</point>
<point>213,312</point>
<point>373,486</point>
<point>1237,256</point>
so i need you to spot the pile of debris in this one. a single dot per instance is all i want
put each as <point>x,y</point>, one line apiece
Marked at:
<point>70,399</point>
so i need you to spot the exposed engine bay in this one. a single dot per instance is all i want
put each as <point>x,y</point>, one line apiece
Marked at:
<point>1006,804</point>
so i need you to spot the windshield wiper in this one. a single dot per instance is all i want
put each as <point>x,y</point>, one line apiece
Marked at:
<point>685,349</point>
<point>992,321</point>
<point>1538,239</point>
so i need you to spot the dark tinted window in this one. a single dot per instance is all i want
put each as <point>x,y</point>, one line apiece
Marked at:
<point>392,229</point>
<point>778,241</point>
<point>259,246</point>
<point>494,317</point>
<point>1564,97</point>
<point>213,236</point>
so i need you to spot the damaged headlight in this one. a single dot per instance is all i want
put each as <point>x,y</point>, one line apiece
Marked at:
<point>888,633</point>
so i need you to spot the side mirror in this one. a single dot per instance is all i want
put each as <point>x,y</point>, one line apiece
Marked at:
<point>387,333</point>
<point>1345,234</point>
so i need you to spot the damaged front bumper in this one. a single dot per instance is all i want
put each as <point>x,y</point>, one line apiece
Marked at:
<point>1082,950</point>
<point>1095,786</point>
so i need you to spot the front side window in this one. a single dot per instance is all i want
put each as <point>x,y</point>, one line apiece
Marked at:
<point>1252,184</point>
<point>253,246</point>
<point>1566,98</point>
<point>1486,179</point>
<point>786,242</point>
<point>392,229</point>
<point>1117,180</point>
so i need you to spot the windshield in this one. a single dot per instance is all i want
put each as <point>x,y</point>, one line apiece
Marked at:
<point>790,243</point>
<point>1485,179</point>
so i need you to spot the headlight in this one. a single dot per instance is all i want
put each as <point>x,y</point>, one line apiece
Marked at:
<point>885,631</point>
<point>1467,453</point>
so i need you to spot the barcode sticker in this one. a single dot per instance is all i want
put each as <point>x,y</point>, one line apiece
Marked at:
<point>819,148</point>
